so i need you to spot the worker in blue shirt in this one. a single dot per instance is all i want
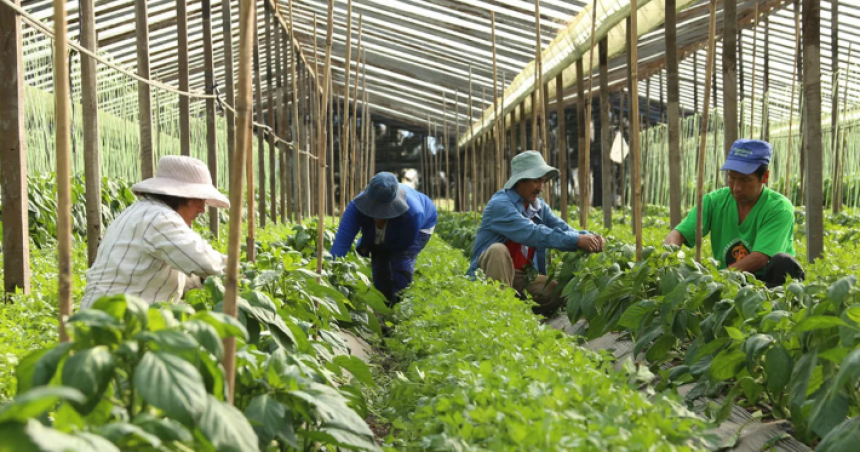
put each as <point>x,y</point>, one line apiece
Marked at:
<point>517,228</point>
<point>396,222</point>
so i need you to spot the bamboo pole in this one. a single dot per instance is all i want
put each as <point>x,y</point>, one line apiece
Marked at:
<point>211,126</point>
<point>250,242</point>
<point>764,132</point>
<point>314,126</point>
<point>547,154</point>
<point>321,140</point>
<point>581,170</point>
<point>353,130</point>
<point>536,96</point>
<point>229,82</point>
<point>586,189</point>
<point>496,102</point>
<point>331,134</point>
<point>460,175</point>
<point>89,115</point>
<point>247,25</point>
<point>270,121</point>
<point>365,119</point>
<point>344,140</point>
<point>755,55</point>
<point>812,146</point>
<point>505,158</point>
<point>144,97</point>
<point>295,173</point>
<point>605,138</point>
<point>184,101</point>
<point>286,179</point>
<point>791,108</point>
<point>709,68</point>
<point>730,76</point>
<point>64,186</point>
<point>838,178</point>
<point>447,151</point>
<point>634,104</point>
<point>674,114</point>
<point>562,144</point>
<point>834,104</point>
<point>472,147</point>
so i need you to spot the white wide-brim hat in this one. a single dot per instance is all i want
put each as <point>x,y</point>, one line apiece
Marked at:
<point>183,177</point>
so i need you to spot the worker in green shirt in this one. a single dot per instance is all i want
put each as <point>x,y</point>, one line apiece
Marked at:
<point>751,226</point>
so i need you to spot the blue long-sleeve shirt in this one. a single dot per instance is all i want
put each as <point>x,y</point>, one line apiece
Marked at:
<point>400,232</point>
<point>504,220</point>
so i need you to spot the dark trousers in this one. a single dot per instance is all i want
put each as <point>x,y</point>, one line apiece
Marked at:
<point>780,266</point>
<point>392,272</point>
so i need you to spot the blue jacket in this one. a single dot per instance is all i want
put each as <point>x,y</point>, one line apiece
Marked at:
<point>504,220</point>
<point>400,232</point>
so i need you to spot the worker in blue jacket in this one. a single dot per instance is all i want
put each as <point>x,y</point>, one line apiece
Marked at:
<point>396,222</point>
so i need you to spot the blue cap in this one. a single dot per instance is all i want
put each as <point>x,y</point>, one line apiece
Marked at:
<point>747,156</point>
<point>383,198</point>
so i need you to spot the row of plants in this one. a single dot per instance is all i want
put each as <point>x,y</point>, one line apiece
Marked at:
<point>141,377</point>
<point>471,368</point>
<point>792,352</point>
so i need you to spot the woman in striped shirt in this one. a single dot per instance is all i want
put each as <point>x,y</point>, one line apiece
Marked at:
<point>150,250</point>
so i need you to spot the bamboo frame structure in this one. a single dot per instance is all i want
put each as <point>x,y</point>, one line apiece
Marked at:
<point>562,145</point>
<point>354,184</point>
<point>344,140</point>
<point>144,97</point>
<point>730,76</point>
<point>89,115</point>
<point>586,189</point>
<point>536,95</point>
<point>229,82</point>
<point>674,114</point>
<point>64,186</point>
<point>755,56</point>
<point>445,133</point>
<point>581,168</point>
<point>461,177</point>
<point>295,172</point>
<point>497,130</point>
<point>247,25</point>
<point>700,186</point>
<point>321,141</point>
<point>791,108</point>
<point>270,121</point>
<point>812,143</point>
<point>605,138</point>
<point>634,125</point>
<point>211,126</point>
<point>184,101</point>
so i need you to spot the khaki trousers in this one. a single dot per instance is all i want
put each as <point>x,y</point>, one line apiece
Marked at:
<point>497,264</point>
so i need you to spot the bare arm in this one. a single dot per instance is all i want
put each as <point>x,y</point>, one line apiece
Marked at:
<point>752,263</point>
<point>674,238</point>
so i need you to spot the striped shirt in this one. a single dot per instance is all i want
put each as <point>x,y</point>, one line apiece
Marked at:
<point>149,252</point>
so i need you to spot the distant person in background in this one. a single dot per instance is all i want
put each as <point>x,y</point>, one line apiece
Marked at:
<point>517,228</point>
<point>751,226</point>
<point>150,250</point>
<point>396,222</point>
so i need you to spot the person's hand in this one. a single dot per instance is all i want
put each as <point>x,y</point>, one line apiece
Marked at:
<point>591,243</point>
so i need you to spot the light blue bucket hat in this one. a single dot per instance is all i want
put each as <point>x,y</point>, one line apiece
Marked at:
<point>529,165</point>
<point>383,198</point>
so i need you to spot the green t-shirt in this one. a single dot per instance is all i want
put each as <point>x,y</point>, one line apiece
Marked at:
<point>768,229</point>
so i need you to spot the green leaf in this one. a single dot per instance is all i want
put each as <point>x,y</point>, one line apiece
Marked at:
<point>661,348</point>
<point>356,367</point>
<point>173,341</point>
<point>800,377</point>
<point>172,385</point>
<point>226,428</point>
<point>374,298</point>
<point>125,434</point>
<point>843,438</point>
<point>332,410</point>
<point>835,355</point>
<point>646,338</point>
<point>727,364</point>
<point>271,419</point>
<point>827,413</point>
<point>778,365</point>
<point>89,371</point>
<point>710,348</point>
<point>818,322</point>
<point>837,291</point>
<point>632,316</point>
<point>853,313</point>
<point>849,372</point>
<point>206,335</point>
<point>25,370</point>
<point>215,288</point>
<point>131,310</point>
<point>163,428</point>
<point>32,436</point>
<point>755,346</point>
<point>735,333</point>
<point>225,325</point>
<point>37,401</point>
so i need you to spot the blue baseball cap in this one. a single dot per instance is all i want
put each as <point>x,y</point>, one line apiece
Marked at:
<point>747,156</point>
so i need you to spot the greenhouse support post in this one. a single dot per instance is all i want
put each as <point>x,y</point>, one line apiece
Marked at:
<point>673,115</point>
<point>344,138</point>
<point>247,26</point>
<point>812,128</point>
<point>331,136</point>
<point>562,145</point>
<point>184,101</point>
<point>634,125</point>
<point>90,119</point>
<point>211,125</point>
<point>791,108</point>
<point>229,82</point>
<point>250,248</point>
<point>298,136</point>
<point>446,147</point>
<point>586,189</point>
<point>13,171</point>
<point>764,132</point>
<point>523,138</point>
<point>269,121</point>
<point>497,140</point>
<point>471,150</point>
<point>144,96</point>
<point>460,184</point>
<point>605,136</point>
<point>754,65</point>
<point>834,104</point>
<point>581,172</point>
<point>62,106</point>
<point>321,140</point>
<point>536,96</point>
<point>700,180</point>
<point>730,76</point>
<point>503,135</point>
<point>354,130</point>
<point>285,203</point>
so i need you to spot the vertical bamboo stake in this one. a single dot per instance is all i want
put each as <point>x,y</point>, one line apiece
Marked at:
<point>460,176</point>
<point>144,97</point>
<point>431,181</point>
<point>250,242</point>
<point>634,135</point>
<point>586,204</point>
<point>92,155</point>
<point>211,126</point>
<point>270,121</point>
<point>536,94</point>
<point>504,158</point>
<point>331,134</point>
<point>730,77</point>
<point>365,118</point>
<point>581,169</point>
<point>321,140</point>
<point>838,178</point>
<point>287,200</point>
<point>184,101</point>
<point>354,131</point>
<point>447,150</point>
<point>812,146</point>
<point>344,138</point>
<point>562,144</point>
<point>64,186</point>
<point>709,68</point>
<point>496,103</point>
<point>523,138</point>
<point>481,170</point>
<point>755,55</point>
<point>229,83</point>
<point>297,134</point>
<point>605,138</point>
<point>791,108</point>
<point>764,132</point>
<point>314,125</point>
<point>472,147</point>
<point>674,114</point>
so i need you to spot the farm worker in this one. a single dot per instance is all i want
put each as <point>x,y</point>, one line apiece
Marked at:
<point>396,222</point>
<point>517,228</point>
<point>150,250</point>
<point>751,226</point>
